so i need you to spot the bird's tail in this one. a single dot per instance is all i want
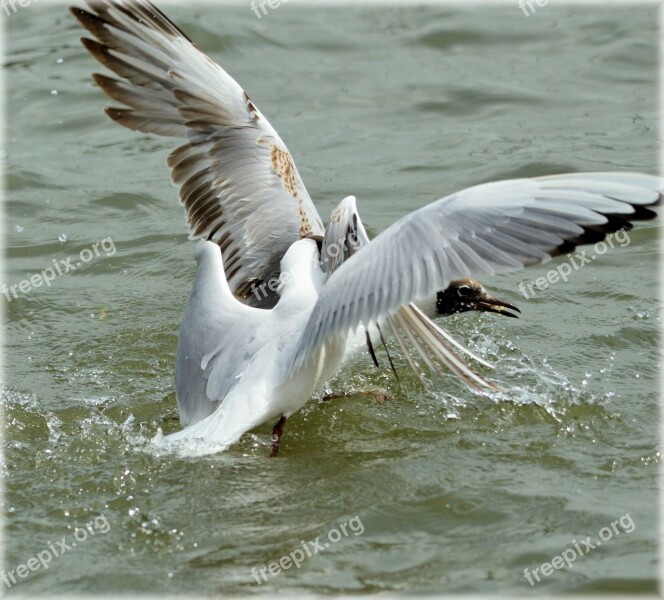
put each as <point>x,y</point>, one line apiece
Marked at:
<point>223,428</point>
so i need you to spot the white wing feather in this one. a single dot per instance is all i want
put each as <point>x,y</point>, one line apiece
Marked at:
<point>481,231</point>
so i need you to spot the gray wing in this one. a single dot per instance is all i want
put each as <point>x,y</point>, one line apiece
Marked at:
<point>218,336</point>
<point>238,183</point>
<point>481,231</point>
<point>345,236</point>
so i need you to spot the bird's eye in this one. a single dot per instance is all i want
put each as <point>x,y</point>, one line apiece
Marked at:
<point>463,290</point>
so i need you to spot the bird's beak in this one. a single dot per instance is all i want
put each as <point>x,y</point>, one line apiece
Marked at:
<point>494,305</point>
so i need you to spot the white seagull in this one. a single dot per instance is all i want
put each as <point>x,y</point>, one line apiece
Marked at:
<point>277,295</point>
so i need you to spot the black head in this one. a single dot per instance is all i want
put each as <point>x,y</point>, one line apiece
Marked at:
<point>467,295</point>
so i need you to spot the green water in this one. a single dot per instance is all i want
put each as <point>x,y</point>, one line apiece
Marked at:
<point>456,492</point>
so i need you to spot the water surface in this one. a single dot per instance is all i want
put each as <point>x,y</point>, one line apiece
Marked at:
<point>457,492</point>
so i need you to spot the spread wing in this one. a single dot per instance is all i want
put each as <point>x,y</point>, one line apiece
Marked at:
<point>238,183</point>
<point>344,237</point>
<point>481,231</point>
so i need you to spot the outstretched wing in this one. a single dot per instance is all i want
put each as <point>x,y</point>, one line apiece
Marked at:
<point>481,231</point>
<point>344,237</point>
<point>238,183</point>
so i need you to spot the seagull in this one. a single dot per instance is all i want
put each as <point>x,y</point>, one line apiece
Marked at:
<point>238,182</point>
<point>278,296</point>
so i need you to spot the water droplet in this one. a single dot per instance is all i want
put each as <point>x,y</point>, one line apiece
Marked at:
<point>54,92</point>
<point>60,61</point>
<point>132,512</point>
<point>62,237</point>
<point>19,228</point>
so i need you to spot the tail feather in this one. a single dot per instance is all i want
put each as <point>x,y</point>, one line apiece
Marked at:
<point>431,342</point>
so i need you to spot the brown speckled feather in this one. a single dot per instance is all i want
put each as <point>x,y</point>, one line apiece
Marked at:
<point>238,182</point>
